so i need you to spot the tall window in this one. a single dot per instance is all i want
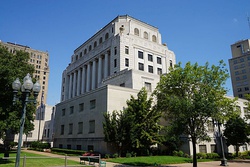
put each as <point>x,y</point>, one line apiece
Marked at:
<point>92,104</point>
<point>115,62</point>
<point>81,107</point>
<point>159,71</point>
<point>80,127</point>
<point>92,126</point>
<point>95,44</point>
<point>71,110</point>
<point>136,31</point>
<point>70,129</point>
<point>106,36</point>
<point>126,62</point>
<point>171,63</point>
<point>150,69</point>
<point>63,112</point>
<point>126,50</point>
<point>148,86</point>
<point>145,35</point>
<point>202,149</point>
<point>140,54</point>
<point>62,130</point>
<point>100,40</point>
<point>154,38</point>
<point>141,66</point>
<point>90,47</point>
<point>150,57</point>
<point>158,60</point>
<point>115,50</point>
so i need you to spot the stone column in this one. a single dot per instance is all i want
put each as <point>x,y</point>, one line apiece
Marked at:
<point>74,85</point>
<point>88,78</point>
<point>93,83</point>
<point>106,67</point>
<point>99,80</point>
<point>78,90</point>
<point>70,86</point>
<point>66,88</point>
<point>83,79</point>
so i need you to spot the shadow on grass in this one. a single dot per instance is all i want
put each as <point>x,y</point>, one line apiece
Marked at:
<point>5,161</point>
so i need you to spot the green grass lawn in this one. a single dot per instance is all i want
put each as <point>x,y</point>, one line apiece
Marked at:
<point>35,161</point>
<point>151,160</point>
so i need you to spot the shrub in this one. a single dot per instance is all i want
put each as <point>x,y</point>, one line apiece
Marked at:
<point>180,153</point>
<point>115,155</point>
<point>201,155</point>
<point>175,153</point>
<point>212,156</point>
<point>67,151</point>
<point>128,155</point>
<point>107,156</point>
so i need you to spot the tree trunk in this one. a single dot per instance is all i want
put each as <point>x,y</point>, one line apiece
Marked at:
<point>237,150</point>
<point>194,152</point>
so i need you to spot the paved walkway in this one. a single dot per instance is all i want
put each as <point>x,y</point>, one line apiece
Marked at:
<point>240,163</point>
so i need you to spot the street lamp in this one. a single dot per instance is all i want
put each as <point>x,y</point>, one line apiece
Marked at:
<point>223,160</point>
<point>26,89</point>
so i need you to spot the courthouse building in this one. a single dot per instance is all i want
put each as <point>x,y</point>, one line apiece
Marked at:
<point>115,63</point>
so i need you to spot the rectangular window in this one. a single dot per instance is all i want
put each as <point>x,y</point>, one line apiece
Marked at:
<point>150,69</point>
<point>150,57</point>
<point>80,127</point>
<point>62,130</point>
<point>78,147</point>
<point>71,110</point>
<point>29,134</point>
<point>213,148</point>
<point>141,66</point>
<point>126,62</point>
<point>63,112</point>
<point>70,129</point>
<point>68,146</point>
<point>140,54</point>
<point>159,71</point>
<point>81,107</point>
<point>115,50</point>
<point>202,149</point>
<point>92,126</point>
<point>126,50</point>
<point>246,88</point>
<point>115,62</point>
<point>92,104</point>
<point>60,146</point>
<point>158,60</point>
<point>148,86</point>
<point>90,148</point>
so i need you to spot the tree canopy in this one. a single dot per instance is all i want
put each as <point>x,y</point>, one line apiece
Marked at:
<point>13,66</point>
<point>191,97</point>
<point>136,128</point>
<point>236,132</point>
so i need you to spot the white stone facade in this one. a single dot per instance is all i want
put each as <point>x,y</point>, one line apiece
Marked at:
<point>115,63</point>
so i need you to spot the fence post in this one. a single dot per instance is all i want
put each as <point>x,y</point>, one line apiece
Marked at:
<point>24,160</point>
<point>65,160</point>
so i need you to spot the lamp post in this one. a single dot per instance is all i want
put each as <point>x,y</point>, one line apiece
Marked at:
<point>223,160</point>
<point>26,90</point>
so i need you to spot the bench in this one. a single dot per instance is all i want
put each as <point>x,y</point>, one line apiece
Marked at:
<point>92,160</point>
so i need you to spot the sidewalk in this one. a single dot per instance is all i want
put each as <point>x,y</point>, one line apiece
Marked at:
<point>234,163</point>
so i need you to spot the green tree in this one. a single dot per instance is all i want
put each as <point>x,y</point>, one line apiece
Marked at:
<point>136,127</point>
<point>13,66</point>
<point>236,132</point>
<point>191,96</point>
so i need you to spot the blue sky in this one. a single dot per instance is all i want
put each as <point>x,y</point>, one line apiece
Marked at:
<point>196,30</point>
